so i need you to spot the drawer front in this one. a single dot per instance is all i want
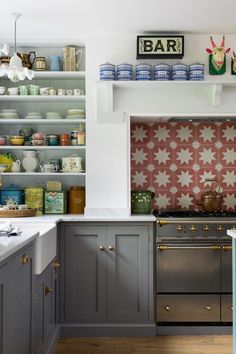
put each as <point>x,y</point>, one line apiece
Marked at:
<point>188,308</point>
<point>226,308</point>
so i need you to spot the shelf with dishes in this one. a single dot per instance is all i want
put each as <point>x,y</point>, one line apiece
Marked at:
<point>43,173</point>
<point>43,147</point>
<point>43,98</point>
<point>41,121</point>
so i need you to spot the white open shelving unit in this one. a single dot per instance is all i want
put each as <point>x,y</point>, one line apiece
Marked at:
<point>43,104</point>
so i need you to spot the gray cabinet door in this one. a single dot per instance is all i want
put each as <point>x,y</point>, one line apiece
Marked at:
<point>226,269</point>
<point>19,303</point>
<point>85,273</point>
<point>48,302</point>
<point>127,273</point>
<point>3,309</point>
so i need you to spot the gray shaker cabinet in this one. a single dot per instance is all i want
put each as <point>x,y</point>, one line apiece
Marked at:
<point>17,324</point>
<point>107,273</point>
<point>3,309</point>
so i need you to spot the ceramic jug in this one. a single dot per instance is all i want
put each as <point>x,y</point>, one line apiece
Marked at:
<point>16,166</point>
<point>27,59</point>
<point>31,160</point>
<point>79,56</point>
<point>55,63</point>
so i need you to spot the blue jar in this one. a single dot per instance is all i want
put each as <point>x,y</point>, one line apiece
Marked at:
<point>124,71</point>
<point>12,193</point>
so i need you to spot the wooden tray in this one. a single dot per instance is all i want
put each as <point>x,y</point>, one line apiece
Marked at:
<point>17,213</point>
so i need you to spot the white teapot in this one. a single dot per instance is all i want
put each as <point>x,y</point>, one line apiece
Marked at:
<point>31,160</point>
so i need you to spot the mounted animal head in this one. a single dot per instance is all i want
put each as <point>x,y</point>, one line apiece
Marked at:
<point>217,54</point>
<point>234,62</point>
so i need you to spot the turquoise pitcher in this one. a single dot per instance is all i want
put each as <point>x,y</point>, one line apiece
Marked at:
<point>55,63</point>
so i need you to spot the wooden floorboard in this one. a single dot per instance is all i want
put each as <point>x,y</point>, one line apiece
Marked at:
<point>146,345</point>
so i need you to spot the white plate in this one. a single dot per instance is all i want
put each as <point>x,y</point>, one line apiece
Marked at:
<point>69,171</point>
<point>57,117</point>
<point>33,117</point>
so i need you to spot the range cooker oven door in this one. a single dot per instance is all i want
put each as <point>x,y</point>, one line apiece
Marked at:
<point>188,268</point>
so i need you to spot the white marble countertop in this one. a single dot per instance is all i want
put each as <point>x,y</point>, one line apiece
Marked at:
<point>10,245</point>
<point>82,218</point>
<point>231,233</point>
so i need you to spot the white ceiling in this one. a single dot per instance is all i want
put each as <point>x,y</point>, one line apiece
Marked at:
<point>76,18</point>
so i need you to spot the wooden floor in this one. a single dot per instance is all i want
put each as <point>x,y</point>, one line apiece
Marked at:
<point>146,345</point>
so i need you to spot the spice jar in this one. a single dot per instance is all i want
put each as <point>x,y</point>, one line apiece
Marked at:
<point>76,200</point>
<point>40,64</point>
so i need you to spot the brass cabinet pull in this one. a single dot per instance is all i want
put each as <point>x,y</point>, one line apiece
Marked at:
<point>111,248</point>
<point>102,248</point>
<point>208,307</point>
<point>231,308</point>
<point>167,308</point>
<point>166,248</point>
<point>227,248</point>
<point>47,290</point>
<point>24,259</point>
<point>56,264</point>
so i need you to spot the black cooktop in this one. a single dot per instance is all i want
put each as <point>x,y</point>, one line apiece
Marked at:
<point>192,213</point>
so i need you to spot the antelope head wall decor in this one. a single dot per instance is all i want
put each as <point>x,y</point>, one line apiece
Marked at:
<point>217,57</point>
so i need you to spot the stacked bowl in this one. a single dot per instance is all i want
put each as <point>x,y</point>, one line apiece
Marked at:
<point>107,71</point>
<point>196,72</point>
<point>124,72</point>
<point>162,72</point>
<point>179,72</point>
<point>143,71</point>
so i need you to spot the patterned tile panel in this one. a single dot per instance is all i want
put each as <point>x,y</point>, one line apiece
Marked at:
<point>174,160</point>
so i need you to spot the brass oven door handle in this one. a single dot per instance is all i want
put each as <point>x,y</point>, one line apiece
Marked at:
<point>227,248</point>
<point>166,248</point>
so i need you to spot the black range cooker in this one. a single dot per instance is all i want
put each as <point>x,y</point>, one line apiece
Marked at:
<point>193,268</point>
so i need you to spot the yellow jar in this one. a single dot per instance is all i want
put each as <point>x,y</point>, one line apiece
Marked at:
<point>34,199</point>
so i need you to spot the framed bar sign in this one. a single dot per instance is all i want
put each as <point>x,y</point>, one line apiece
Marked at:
<point>159,47</point>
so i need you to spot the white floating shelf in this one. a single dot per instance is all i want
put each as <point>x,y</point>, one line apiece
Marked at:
<point>42,121</point>
<point>38,98</point>
<point>74,75</point>
<point>45,147</point>
<point>43,174</point>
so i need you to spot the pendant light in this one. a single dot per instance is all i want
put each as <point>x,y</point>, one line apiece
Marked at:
<point>15,71</point>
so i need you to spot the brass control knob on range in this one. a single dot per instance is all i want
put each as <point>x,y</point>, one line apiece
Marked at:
<point>220,228</point>
<point>179,228</point>
<point>206,228</point>
<point>193,228</point>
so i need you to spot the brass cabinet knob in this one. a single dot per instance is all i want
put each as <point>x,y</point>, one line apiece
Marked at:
<point>179,228</point>
<point>193,228</point>
<point>167,308</point>
<point>24,259</point>
<point>220,228</point>
<point>208,307</point>
<point>110,247</point>
<point>206,228</point>
<point>56,264</point>
<point>231,308</point>
<point>102,248</point>
<point>47,290</point>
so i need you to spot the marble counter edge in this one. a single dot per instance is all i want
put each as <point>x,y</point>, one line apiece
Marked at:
<point>10,245</point>
<point>82,218</point>
<point>231,233</point>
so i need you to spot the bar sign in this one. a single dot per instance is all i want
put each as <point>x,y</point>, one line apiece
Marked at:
<point>159,47</point>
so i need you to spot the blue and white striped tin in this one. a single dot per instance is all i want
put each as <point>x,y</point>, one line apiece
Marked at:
<point>161,67</point>
<point>107,71</point>
<point>143,67</point>
<point>143,77</point>
<point>197,67</point>
<point>124,71</point>
<point>179,67</point>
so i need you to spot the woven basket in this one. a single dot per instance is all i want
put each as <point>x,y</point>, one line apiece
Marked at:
<point>17,213</point>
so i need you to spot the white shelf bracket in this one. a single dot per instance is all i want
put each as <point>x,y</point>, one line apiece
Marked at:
<point>216,94</point>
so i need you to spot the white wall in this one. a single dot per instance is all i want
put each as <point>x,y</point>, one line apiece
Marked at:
<point>108,143</point>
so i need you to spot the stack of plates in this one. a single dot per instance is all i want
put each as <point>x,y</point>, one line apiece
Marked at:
<point>75,114</point>
<point>9,114</point>
<point>53,115</point>
<point>34,115</point>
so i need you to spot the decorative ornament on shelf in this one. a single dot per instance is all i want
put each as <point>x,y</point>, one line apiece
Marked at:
<point>233,64</point>
<point>15,71</point>
<point>217,57</point>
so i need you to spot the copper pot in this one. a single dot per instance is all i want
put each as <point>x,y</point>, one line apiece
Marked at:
<point>210,201</point>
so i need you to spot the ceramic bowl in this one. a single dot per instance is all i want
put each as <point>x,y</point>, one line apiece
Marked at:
<point>17,140</point>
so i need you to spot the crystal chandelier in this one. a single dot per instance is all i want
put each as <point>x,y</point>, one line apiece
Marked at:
<point>15,71</point>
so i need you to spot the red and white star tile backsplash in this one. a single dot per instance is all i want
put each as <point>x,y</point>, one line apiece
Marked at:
<point>174,159</point>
